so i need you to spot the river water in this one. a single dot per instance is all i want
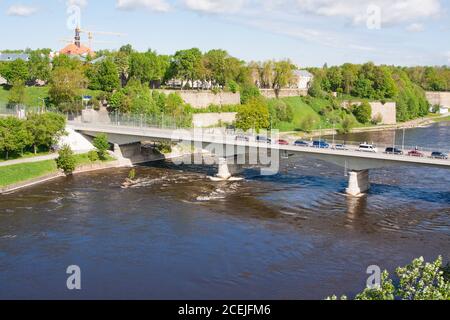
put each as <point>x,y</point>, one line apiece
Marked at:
<point>295,235</point>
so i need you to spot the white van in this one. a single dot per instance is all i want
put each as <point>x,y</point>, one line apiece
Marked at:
<point>367,148</point>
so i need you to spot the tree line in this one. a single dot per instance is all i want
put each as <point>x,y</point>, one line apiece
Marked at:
<point>38,132</point>
<point>368,81</point>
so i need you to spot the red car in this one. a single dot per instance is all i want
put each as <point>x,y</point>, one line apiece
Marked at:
<point>415,153</point>
<point>282,142</point>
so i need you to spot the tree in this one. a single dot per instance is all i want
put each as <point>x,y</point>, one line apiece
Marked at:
<point>187,65</point>
<point>249,92</point>
<point>101,143</point>
<point>13,136</point>
<point>66,87</point>
<point>282,111</point>
<point>254,114</point>
<point>108,76</point>
<point>39,66</point>
<point>66,160</point>
<point>347,124</point>
<point>362,112</point>
<point>16,71</point>
<point>283,74</point>
<point>17,94</point>
<point>315,90</point>
<point>45,129</point>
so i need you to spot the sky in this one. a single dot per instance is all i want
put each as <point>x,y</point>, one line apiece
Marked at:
<point>309,32</point>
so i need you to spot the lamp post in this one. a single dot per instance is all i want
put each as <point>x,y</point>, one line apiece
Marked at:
<point>403,143</point>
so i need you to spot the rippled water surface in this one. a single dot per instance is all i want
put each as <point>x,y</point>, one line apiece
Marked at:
<point>178,235</point>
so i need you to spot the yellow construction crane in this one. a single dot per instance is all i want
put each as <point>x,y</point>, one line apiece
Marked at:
<point>90,35</point>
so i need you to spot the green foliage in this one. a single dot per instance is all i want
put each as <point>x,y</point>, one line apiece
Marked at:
<point>416,281</point>
<point>66,88</point>
<point>132,174</point>
<point>101,143</point>
<point>253,115</point>
<point>148,66</point>
<point>17,94</point>
<point>249,92</point>
<point>39,66</point>
<point>307,123</point>
<point>164,148</point>
<point>93,156</point>
<point>347,124</point>
<point>45,129</point>
<point>13,136</point>
<point>362,112</point>
<point>282,111</point>
<point>187,65</point>
<point>315,90</point>
<point>104,76</point>
<point>66,160</point>
<point>16,71</point>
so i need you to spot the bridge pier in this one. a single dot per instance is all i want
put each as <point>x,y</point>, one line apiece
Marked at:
<point>224,172</point>
<point>358,183</point>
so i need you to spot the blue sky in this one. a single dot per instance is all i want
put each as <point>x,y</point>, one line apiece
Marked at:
<point>310,32</point>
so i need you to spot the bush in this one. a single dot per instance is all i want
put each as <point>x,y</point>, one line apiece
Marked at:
<point>248,93</point>
<point>102,145</point>
<point>416,281</point>
<point>307,123</point>
<point>233,86</point>
<point>66,160</point>
<point>347,125</point>
<point>93,156</point>
<point>363,112</point>
<point>283,111</point>
<point>254,114</point>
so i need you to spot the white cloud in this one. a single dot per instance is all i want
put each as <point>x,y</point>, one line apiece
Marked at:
<point>215,6</point>
<point>21,10</point>
<point>415,27</point>
<point>392,11</point>
<point>153,5</point>
<point>448,57</point>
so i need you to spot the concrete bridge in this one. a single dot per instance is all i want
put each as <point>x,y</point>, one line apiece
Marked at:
<point>225,146</point>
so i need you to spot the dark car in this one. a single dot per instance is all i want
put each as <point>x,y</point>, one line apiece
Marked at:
<point>392,150</point>
<point>439,155</point>
<point>301,143</point>
<point>321,144</point>
<point>263,139</point>
<point>415,153</point>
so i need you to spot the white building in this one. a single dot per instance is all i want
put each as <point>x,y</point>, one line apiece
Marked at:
<point>302,79</point>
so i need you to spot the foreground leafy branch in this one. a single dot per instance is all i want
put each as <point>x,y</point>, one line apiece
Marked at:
<point>416,281</point>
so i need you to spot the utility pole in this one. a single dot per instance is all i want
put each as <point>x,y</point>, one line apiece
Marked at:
<point>403,143</point>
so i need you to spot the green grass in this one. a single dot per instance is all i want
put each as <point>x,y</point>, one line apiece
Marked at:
<point>34,95</point>
<point>25,171</point>
<point>83,159</point>
<point>442,119</point>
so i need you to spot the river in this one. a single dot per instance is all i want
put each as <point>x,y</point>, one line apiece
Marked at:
<point>295,235</point>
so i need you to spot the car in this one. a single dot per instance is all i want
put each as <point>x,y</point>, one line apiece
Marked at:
<point>321,144</point>
<point>364,147</point>
<point>392,150</point>
<point>242,138</point>
<point>282,142</point>
<point>342,147</point>
<point>263,139</point>
<point>301,143</point>
<point>415,153</point>
<point>439,155</point>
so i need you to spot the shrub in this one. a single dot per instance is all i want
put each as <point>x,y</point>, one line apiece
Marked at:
<point>347,125</point>
<point>248,93</point>
<point>102,145</point>
<point>93,156</point>
<point>416,281</point>
<point>66,160</point>
<point>363,112</point>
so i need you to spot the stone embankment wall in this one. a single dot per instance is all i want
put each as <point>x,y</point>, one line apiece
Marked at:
<point>283,93</point>
<point>204,120</point>
<point>438,98</point>
<point>202,99</point>
<point>388,111</point>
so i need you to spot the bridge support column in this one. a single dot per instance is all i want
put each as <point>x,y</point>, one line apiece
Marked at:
<point>224,172</point>
<point>358,182</point>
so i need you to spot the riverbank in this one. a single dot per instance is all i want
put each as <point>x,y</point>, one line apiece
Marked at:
<point>17,176</point>
<point>416,123</point>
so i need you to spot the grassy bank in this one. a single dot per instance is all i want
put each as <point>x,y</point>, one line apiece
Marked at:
<point>25,171</point>
<point>34,95</point>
